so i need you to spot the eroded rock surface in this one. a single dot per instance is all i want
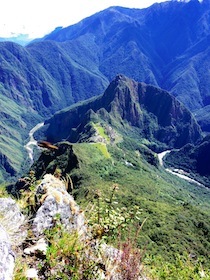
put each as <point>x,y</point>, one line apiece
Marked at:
<point>12,232</point>
<point>55,201</point>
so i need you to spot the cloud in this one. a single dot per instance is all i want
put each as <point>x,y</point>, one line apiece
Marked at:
<point>38,17</point>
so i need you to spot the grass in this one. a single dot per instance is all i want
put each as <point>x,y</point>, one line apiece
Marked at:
<point>3,191</point>
<point>183,268</point>
<point>157,237</point>
<point>176,212</point>
<point>101,131</point>
<point>103,149</point>
<point>69,256</point>
<point>173,207</point>
<point>174,237</point>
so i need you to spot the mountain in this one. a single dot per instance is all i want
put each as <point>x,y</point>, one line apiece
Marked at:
<point>41,86</point>
<point>29,93</point>
<point>165,45</point>
<point>113,139</point>
<point>110,139</point>
<point>130,108</point>
<point>21,39</point>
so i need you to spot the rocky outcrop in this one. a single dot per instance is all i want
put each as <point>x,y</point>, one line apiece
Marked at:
<point>56,202</point>
<point>63,158</point>
<point>12,220</point>
<point>57,210</point>
<point>12,233</point>
<point>52,201</point>
<point>7,256</point>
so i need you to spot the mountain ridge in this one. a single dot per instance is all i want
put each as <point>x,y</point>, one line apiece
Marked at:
<point>147,39</point>
<point>160,45</point>
<point>154,113</point>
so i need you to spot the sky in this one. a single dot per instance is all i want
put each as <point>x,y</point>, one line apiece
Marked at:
<point>39,17</point>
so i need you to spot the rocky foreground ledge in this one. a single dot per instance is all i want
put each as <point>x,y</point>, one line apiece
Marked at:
<point>28,238</point>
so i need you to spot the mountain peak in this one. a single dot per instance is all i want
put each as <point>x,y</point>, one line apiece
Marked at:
<point>128,106</point>
<point>119,82</point>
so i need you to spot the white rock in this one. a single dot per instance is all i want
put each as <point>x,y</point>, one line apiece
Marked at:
<point>56,201</point>
<point>12,232</point>
<point>40,246</point>
<point>31,273</point>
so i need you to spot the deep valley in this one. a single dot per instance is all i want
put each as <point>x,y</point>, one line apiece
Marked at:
<point>95,104</point>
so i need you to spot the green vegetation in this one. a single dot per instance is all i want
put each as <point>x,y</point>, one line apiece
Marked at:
<point>103,149</point>
<point>12,128</point>
<point>177,212</point>
<point>107,220</point>
<point>183,268</point>
<point>51,74</point>
<point>71,255</point>
<point>160,239</point>
<point>101,131</point>
<point>3,191</point>
<point>66,256</point>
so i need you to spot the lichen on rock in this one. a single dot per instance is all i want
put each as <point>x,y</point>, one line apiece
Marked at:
<point>12,232</point>
<point>55,200</point>
<point>7,256</point>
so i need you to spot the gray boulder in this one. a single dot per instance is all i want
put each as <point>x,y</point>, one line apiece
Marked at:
<point>55,201</point>
<point>7,256</point>
<point>12,232</point>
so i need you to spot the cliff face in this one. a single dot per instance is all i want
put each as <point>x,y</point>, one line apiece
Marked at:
<point>127,105</point>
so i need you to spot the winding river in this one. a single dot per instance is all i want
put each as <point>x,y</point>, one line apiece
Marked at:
<point>178,172</point>
<point>32,142</point>
<point>161,156</point>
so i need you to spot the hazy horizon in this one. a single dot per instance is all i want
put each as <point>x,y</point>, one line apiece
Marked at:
<point>37,18</point>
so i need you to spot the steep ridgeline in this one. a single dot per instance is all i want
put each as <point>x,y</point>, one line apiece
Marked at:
<point>134,110</point>
<point>166,44</point>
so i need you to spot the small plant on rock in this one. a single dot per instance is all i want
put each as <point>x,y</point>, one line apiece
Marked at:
<point>109,223</point>
<point>107,219</point>
<point>67,256</point>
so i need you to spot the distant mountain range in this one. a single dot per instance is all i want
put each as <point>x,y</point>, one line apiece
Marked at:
<point>22,39</point>
<point>165,45</point>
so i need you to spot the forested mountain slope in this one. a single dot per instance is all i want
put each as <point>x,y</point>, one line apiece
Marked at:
<point>165,45</point>
<point>133,109</point>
